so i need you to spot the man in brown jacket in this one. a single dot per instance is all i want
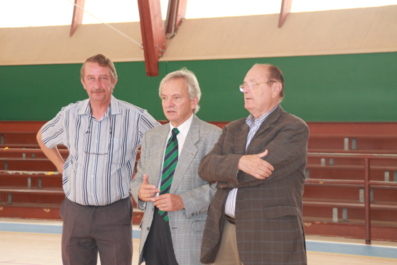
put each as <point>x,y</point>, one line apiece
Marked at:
<point>258,163</point>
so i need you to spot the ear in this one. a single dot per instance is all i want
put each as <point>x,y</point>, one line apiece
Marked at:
<point>276,89</point>
<point>82,82</point>
<point>115,81</point>
<point>194,102</point>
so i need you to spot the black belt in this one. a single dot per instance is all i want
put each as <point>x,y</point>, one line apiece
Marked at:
<point>231,220</point>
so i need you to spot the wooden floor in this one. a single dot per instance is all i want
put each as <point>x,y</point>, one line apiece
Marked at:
<point>38,243</point>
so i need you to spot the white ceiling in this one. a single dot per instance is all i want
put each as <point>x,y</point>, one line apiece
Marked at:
<point>31,13</point>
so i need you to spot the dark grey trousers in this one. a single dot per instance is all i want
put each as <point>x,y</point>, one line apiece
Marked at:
<point>158,249</point>
<point>88,230</point>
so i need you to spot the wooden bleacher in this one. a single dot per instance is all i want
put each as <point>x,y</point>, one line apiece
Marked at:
<point>351,185</point>
<point>338,200</point>
<point>362,137</point>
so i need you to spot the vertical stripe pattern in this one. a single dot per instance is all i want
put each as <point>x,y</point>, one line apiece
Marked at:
<point>102,152</point>
<point>170,162</point>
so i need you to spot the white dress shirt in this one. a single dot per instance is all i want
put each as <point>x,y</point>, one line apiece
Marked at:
<point>181,136</point>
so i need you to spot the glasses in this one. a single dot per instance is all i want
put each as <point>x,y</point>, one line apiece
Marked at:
<point>88,142</point>
<point>251,85</point>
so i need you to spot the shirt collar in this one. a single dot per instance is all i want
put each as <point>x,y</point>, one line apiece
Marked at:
<point>184,127</point>
<point>114,109</point>
<point>251,119</point>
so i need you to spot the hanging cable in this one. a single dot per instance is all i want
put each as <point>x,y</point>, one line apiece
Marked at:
<point>110,26</point>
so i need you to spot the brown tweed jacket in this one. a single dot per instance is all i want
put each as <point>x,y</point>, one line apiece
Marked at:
<point>269,225</point>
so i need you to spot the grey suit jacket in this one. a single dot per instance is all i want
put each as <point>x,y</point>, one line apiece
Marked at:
<point>269,225</point>
<point>187,225</point>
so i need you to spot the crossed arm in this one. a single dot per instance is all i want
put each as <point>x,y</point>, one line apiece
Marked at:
<point>284,152</point>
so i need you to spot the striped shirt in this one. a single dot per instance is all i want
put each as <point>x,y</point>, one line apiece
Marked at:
<point>102,152</point>
<point>254,125</point>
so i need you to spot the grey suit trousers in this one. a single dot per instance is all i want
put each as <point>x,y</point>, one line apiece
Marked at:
<point>88,230</point>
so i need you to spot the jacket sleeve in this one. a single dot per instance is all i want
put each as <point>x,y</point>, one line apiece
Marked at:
<point>138,179</point>
<point>218,166</point>
<point>287,152</point>
<point>196,201</point>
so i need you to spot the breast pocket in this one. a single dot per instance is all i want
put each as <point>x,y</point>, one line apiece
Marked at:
<point>116,150</point>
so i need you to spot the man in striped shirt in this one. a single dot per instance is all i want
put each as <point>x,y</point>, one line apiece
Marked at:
<point>102,135</point>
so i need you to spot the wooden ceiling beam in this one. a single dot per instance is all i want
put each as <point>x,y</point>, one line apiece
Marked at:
<point>78,11</point>
<point>153,35</point>
<point>285,10</point>
<point>175,16</point>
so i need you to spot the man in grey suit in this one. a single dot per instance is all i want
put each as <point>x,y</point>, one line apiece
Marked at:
<point>258,164</point>
<point>174,219</point>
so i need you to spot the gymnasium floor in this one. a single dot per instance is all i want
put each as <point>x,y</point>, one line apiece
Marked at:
<point>38,243</point>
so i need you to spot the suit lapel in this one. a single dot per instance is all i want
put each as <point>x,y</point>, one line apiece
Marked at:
<point>157,154</point>
<point>273,117</point>
<point>240,139</point>
<point>188,153</point>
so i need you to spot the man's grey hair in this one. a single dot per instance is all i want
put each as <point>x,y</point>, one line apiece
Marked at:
<point>193,88</point>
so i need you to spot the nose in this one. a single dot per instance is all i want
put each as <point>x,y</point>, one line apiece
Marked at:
<point>98,83</point>
<point>244,88</point>
<point>95,84</point>
<point>168,102</point>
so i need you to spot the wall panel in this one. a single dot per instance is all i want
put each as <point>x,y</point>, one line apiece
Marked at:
<point>355,87</point>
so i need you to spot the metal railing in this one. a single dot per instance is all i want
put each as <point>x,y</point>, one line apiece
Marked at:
<point>366,182</point>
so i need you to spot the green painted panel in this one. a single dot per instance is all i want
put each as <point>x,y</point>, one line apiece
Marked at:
<point>355,87</point>
<point>360,87</point>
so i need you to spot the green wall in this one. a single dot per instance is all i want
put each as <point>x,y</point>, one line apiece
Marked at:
<point>355,87</point>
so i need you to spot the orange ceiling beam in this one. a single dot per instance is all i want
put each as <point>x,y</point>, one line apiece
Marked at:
<point>285,10</point>
<point>77,15</point>
<point>175,16</point>
<point>153,35</point>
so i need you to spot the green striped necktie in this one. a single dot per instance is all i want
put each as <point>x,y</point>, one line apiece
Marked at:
<point>170,161</point>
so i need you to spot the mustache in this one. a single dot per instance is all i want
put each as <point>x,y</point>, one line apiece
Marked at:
<point>98,90</point>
